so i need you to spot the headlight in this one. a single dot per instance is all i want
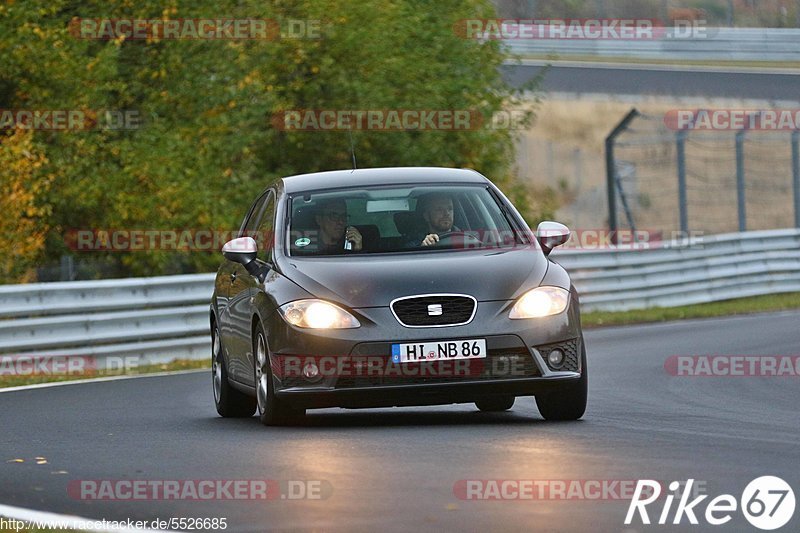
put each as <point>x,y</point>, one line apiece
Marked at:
<point>539,302</point>
<point>317,314</point>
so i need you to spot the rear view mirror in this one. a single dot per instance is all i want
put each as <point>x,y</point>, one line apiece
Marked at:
<point>551,234</point>
<point>243,251</point>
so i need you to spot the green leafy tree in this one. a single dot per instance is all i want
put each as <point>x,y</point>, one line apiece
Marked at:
<point>206,145</point>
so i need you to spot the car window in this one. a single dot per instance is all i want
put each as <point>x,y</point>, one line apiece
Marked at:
<point>253,218</point>
<point>393,219</point>
<point>265,236</point>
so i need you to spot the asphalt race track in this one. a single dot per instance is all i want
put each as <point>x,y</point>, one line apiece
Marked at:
<point>660,81</point>
<point>395,469</point>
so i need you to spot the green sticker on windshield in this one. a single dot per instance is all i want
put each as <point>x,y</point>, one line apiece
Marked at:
<point>302,241</point>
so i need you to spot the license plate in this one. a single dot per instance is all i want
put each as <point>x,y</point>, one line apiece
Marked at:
<point>439,351</point>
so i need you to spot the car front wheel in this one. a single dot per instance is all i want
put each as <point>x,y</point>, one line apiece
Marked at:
<point>568,402</point>
<point>271,410</point>
<point>229,402</point>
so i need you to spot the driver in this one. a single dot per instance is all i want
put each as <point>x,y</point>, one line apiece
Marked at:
<point>437,211</point>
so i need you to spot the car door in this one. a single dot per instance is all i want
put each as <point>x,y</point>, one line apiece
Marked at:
<point>242,292</point>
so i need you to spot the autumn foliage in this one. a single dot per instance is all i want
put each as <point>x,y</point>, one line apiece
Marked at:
<point>205,145</point>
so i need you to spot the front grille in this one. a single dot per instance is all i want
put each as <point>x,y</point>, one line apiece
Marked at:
<point>508,363</point>
<point>415,311</point>
<point>570,349</point>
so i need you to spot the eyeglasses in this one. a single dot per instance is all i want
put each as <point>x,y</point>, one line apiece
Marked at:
<point>335,215</point>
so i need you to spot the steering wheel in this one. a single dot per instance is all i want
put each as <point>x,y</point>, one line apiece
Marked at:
<point>447,238</point>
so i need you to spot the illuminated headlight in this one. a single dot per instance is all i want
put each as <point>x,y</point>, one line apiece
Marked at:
<point>539,302</point>
<point>317,314</point>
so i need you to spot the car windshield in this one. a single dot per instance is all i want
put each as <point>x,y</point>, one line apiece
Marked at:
<point>394,219</point>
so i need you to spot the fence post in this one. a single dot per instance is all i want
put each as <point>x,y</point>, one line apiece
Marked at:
<point>729,14</point>
<point>611,182</point>
<point>600,7</point>
<point>796,175</point>
<point>740,199</point>
<point>67,268</point>
<point>577,157</point>
<point>680,145</point>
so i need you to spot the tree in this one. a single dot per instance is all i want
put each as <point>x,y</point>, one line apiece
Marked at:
<point>206,145</point>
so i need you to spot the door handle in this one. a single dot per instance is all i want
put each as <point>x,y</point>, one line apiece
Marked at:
<point>233,277</point>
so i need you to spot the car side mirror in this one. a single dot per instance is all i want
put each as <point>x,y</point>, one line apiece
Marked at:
<point>243,251</point>
<point>551,234</point>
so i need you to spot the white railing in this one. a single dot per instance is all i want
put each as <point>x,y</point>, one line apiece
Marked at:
<point>740,44</point>
<point>711,269</point>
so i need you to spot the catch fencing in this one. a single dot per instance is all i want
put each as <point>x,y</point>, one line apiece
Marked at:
<point>667,174</point>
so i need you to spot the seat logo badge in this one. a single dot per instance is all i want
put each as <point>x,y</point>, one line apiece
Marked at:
<point>435,310</point>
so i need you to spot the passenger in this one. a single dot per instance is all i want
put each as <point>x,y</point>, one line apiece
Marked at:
<point>331,219</point>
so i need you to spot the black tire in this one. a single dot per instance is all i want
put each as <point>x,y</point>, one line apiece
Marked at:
<point>568,402</point>
<point>271,411</point>
<point>495,403</point>
<point>230,403</point>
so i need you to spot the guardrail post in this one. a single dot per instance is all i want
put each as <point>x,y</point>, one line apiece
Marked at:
<point>680,145</point>
<point>611,182</point>
<point>796,175</point>
<point>740,198</point>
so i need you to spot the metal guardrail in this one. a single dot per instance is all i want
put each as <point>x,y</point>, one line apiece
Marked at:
<point>711,269</point>
<point>741,44</point>
<point>162,318</point>
<point>156,319</point>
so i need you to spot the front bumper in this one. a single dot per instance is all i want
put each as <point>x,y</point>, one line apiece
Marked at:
<point>424,394</point>
<point>526,340</point>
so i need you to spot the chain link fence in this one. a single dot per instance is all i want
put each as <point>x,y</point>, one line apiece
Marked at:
<point>687,180</point>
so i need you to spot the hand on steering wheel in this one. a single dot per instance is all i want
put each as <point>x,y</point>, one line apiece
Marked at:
<point>446,238</point>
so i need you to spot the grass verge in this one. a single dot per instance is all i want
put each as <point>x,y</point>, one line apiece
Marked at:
<point>738,306</point>
<point>178,364</point>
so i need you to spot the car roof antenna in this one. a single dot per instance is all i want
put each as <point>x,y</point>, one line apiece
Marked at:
<point>352,148</point>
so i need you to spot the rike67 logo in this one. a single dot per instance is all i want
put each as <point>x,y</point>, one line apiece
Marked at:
<point>767,503</point>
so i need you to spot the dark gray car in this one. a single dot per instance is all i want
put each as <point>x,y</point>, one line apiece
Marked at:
<point>393,287</point>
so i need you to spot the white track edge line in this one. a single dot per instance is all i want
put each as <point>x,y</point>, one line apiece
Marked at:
<point>56,521</point>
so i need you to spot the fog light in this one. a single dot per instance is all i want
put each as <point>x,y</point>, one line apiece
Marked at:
<point>556,357</point>
<point>310,370</point>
